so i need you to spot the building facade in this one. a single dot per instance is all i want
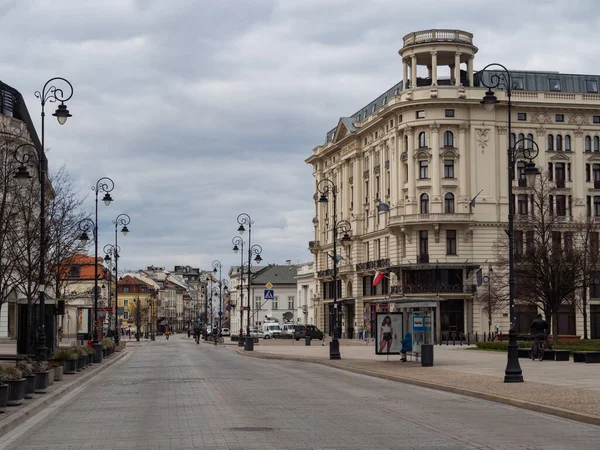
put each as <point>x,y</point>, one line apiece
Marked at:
<point>306,284</point>
<point>407,167</point>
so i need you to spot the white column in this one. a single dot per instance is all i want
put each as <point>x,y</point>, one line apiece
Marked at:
<point>434,68</point>
<point>4,320</point>
<point>411,165</point>
<point>462,163</point>
<point>413,69</point>
<point>435,157</point>
<point>470,70</point>
<point>577,170</point>
<point>405,72</point>
<point>394,156</point>
<point>457,68</point>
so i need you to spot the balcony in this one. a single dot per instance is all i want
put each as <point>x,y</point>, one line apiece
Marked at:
<point>370,265</point>
<point>325,273</point>
<point>419,37</point>
<point>413,219</point>
<point>439,288</point>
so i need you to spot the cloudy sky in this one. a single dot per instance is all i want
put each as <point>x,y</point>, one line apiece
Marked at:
<point>200,110</point>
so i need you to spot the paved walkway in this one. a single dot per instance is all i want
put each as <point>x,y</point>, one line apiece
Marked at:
<point>562,388</point>
<point>178,395</point>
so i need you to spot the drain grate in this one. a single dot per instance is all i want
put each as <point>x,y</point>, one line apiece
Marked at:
<point>250,429</point>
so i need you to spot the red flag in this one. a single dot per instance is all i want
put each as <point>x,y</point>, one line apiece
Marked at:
<point>378,277</point>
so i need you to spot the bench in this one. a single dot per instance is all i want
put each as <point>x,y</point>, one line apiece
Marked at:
<point>413,355</point>
<point>586,357</point>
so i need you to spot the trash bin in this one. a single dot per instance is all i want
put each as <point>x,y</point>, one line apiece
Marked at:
<point>307,340</point>
<point>426,355</point>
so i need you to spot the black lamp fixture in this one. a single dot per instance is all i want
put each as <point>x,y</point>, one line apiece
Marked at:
<point>501,79</point>
<point>237,240</point>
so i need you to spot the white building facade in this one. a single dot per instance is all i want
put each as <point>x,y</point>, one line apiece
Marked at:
<point>306,290</point>
<point>426,148</point>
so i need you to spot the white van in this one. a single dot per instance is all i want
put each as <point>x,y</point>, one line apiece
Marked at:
<point>271,330</point>
<point>288,330</point>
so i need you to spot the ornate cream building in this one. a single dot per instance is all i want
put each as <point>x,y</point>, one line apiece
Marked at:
<point>427,147</point>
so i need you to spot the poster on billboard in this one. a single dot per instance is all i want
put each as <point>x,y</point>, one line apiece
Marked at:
<point>389,333</point>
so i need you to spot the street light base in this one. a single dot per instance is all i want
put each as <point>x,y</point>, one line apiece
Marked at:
<point>249,344</point>
<point>513,373</point>
<point>334,349</point>
<point>241,341</point>
<point>97,346</point>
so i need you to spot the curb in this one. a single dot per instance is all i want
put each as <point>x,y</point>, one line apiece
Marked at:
<point>41,402</point>
<point>536,407</point>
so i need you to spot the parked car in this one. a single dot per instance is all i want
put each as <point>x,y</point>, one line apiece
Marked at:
<point>301,331</point>
<point>254,333</point>
<point>271,330</point>
<point>225,332</point>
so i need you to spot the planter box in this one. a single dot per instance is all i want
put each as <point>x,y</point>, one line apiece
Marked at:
<point>29,386</point>
<point>50,376</point>
<point>58,373</point>
<point>16,392</point>
<point>3,397</point>
<point>41,382</point>
<point>69,366</point>
<point>80,363</point>
<point>104,353</point>
<point>90,359</point>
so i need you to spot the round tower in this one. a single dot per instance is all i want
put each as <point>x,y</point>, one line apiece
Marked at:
<point>434,48</point>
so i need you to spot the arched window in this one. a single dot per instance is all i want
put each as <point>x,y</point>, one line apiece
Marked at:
<point>596,144</point>
<point>424,204</point>
<point>567,143</point>
<point>559,143</point>
<point>521,141</point>
<point>530,141</point>
<point>513,140</point>
<point>423,140</point>
<point>449,203</point>
<point>550,142</point>
<point>521,174</point>
<point>448,139</point>
<point>588,144</point>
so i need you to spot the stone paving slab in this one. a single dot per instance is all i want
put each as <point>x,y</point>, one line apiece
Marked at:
<point>18,414</point>
<point>564,389</point>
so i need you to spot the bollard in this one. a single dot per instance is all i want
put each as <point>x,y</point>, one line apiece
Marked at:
<point>307,340</point>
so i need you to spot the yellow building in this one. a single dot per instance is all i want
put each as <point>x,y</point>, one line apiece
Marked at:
<point>134,293</point>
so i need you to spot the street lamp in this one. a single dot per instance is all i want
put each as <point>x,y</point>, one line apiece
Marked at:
<point>49,93</point>
<point>218,266</point>
<point>123,220</point>
<point>111,253</point>
<point>105,185</point>
<point>326,188</point>
<point>238,244</point>
<point>244,219</point>
<point>503,80</point>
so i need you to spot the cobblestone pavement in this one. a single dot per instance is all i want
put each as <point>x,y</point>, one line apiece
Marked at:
<point>177,395</point>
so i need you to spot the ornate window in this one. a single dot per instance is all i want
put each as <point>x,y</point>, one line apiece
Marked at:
<point>521,141</point>
<point>423,140</point>
<point>448,139</point>
<point>449,203</point>
<point>550,142</point>
<point>424,204</point>
<point>596,144</point>
<point>567,143</point>
<point>559,143</point>
<point>588,144</point>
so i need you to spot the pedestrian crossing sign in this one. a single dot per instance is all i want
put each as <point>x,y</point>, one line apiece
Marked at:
<point>269,294</point>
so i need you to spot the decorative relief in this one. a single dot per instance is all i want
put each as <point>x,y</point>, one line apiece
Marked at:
<point>578,119</point>
<point>482,138</point>
<point>541,131</point>
<point>502,130</point>
<point>578,132</point>
<point>435,128</point>
<point>463,127</point>
<point>541,117</point>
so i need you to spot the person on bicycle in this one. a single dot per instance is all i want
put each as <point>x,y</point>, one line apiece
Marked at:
<point>215,333</point>
<point>539,329</point>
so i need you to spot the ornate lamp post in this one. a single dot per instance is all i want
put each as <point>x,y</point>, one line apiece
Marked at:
<point>48,94</point>
<point>217,266</point>
<point>326,188</point>
<point>105,185</point>
<point>111,253</point>
<point>244,219</point>
<point>238,244</point>
<point>123,220</point>
<point>503,80</point>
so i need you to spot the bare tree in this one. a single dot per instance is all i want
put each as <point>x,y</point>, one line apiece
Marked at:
<point>494,293</point>
<point>547,264</point>
<point>587,231</point>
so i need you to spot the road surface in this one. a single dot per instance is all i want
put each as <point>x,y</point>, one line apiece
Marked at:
<point>178,395</point>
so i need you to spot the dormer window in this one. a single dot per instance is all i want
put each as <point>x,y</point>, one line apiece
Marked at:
<point>518,83</point>
<point>554,84</point>
<point>591,86</point>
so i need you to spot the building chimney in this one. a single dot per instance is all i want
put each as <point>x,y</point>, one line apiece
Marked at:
<point>288,262</point>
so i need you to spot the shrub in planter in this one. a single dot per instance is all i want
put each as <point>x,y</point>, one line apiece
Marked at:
<point>82,357</point>
<point>16,385</point>
<point>40,370</point>
<point>68,357</point>
<point>27,370</point>
<point>57,366</point>
<point>3,391</point>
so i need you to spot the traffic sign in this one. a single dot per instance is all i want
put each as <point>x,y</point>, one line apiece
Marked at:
<point>269,285</point>
<point>220,313</point>
<point>198,320</point>
<point>269,294</point>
